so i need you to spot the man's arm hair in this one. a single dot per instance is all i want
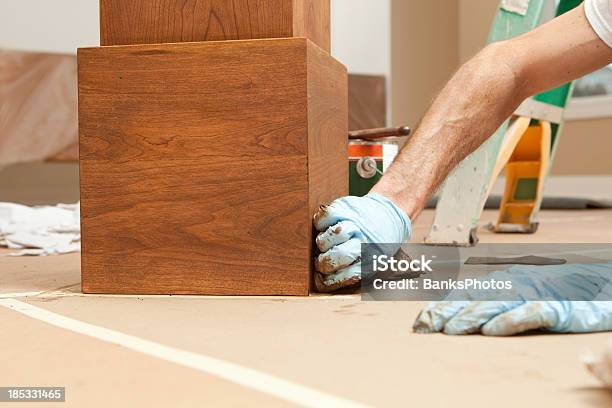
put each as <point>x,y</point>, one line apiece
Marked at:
<point>482,95</point>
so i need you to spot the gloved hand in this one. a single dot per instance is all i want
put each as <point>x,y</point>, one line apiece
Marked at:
<point>586,282</point>
<point>344,226</point>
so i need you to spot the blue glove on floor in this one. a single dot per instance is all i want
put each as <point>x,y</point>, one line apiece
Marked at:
<point>589,283</point>
<point>345,225</point>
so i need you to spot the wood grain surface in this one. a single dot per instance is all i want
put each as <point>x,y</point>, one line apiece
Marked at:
<point>312,19</point>
<point>199,171</point>
<point>328,156</point>
<point>124,22</point>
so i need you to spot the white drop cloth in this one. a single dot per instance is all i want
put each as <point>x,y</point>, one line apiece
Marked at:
<point>40,230</point>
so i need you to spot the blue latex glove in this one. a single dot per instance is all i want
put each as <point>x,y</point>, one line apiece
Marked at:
<point>344,226</point>
<point>458,315</point>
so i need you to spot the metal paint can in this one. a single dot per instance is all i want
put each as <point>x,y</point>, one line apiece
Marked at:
<point>368,161</point>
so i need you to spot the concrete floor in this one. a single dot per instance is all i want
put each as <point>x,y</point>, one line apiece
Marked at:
<point>326,346</point>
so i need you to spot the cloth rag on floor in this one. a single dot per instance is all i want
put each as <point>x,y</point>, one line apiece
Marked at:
<point>39,231</point>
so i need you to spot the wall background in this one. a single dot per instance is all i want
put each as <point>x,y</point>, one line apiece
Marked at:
<point>425,53</point>
<point>361,35</point>
<point>49,25</point>
<point>361,38</point>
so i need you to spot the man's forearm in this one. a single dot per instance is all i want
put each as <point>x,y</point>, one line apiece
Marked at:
<point>476,101</point>
<point>482,94</point>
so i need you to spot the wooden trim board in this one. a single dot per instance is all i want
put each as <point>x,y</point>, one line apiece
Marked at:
<point>202,165</point>
<point>367,101</point>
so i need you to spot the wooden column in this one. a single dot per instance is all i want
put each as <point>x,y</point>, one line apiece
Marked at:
<point>125,22</point>
<point>202,163</point>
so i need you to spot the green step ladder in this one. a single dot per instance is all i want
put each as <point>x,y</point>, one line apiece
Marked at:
<point>463,195</point>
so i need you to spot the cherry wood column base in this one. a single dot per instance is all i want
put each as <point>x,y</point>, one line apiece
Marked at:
<point>202,165</point>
